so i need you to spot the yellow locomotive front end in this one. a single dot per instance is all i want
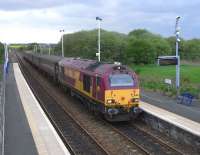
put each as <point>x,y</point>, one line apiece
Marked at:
<point>122,96</point>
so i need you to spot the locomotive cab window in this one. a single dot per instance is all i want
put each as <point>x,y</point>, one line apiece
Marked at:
<point>86,83</point>
<point>117,80</point>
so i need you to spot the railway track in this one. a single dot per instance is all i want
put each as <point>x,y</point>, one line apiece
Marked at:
<point>76,139</point>
<point>153,144</point>
<point>110,139</point>
<point>100,139</point>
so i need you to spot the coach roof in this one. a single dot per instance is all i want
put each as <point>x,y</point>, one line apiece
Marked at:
<point>51,58</point>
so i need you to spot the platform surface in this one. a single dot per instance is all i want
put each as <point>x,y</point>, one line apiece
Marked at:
<point>18,136</point>
<point>170,117</point>
<point>164,102</point>
<point>28,130</point>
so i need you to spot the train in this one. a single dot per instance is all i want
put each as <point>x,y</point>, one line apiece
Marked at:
<point>109,89</point>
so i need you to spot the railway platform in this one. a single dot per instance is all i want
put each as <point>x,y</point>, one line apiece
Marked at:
<point>159,100</point>
<point>27,128</point>
<point>184,117</point>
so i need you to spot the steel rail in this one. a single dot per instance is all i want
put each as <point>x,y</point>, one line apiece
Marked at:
<point>22,66</point>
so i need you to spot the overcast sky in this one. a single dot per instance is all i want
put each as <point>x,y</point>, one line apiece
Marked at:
<point>40,21</point>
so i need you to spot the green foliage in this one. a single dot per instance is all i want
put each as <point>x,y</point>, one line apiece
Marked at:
<point>172,43</point>
<point>192,49</point>
<point>84,44</point>
<point>188,49</point>
<point>1,52</point>
<point>141,33</point>
<point>23,47</point>
<point>139,46</point>
<point>140,51</point>
<point>145,47</point>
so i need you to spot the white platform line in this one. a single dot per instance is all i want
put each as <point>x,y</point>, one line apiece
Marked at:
<point>39,132</point>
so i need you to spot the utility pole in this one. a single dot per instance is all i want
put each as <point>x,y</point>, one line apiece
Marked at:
<point>177,32</point>
<point>62,31</point>
<point>99,38</point>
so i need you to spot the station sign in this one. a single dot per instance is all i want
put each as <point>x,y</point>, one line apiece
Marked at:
<point>167,60</point>
<point>168,81</point>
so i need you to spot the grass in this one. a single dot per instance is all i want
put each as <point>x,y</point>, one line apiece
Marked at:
<point>152,77</point>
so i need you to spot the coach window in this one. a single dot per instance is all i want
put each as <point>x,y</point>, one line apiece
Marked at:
<point>86,83</point>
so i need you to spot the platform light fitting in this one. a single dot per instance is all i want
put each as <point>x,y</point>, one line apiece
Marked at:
<point>98,18</point>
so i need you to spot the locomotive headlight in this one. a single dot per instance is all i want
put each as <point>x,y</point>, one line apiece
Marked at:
<point>110,101</point>
<point>135,100</point>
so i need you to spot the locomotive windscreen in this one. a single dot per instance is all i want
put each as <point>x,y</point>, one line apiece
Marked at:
<point>117,80</point>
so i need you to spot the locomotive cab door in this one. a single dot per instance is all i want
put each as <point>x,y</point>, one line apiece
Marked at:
<point>97,87</point>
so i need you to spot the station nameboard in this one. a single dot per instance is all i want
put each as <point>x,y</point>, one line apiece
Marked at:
<point>167,60</point>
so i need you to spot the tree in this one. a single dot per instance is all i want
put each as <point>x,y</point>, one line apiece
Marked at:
<point>140,51</point>
<point>144,47</point>
<point>84,44</point>
<point>139,46</point>
<point>141,33</point>
<point>172,42</point>
<point>192,49</point>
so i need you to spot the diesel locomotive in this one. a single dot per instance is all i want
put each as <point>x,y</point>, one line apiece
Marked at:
<point>106,88</point>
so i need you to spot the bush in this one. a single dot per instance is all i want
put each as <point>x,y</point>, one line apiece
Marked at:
<point>140,51</point>
<point>145,47</point>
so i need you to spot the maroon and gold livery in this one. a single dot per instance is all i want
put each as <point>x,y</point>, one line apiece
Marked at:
<point>111,89</point>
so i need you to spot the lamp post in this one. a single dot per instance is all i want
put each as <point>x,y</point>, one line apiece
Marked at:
<point>41,52</point>
<point>49,49</point>
<point>62,31</point>
<point>99,38</point>
<point>177,32</point>
<point>35,48</point>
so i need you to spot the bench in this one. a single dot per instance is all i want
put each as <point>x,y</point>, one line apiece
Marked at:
<point>185,98</point>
